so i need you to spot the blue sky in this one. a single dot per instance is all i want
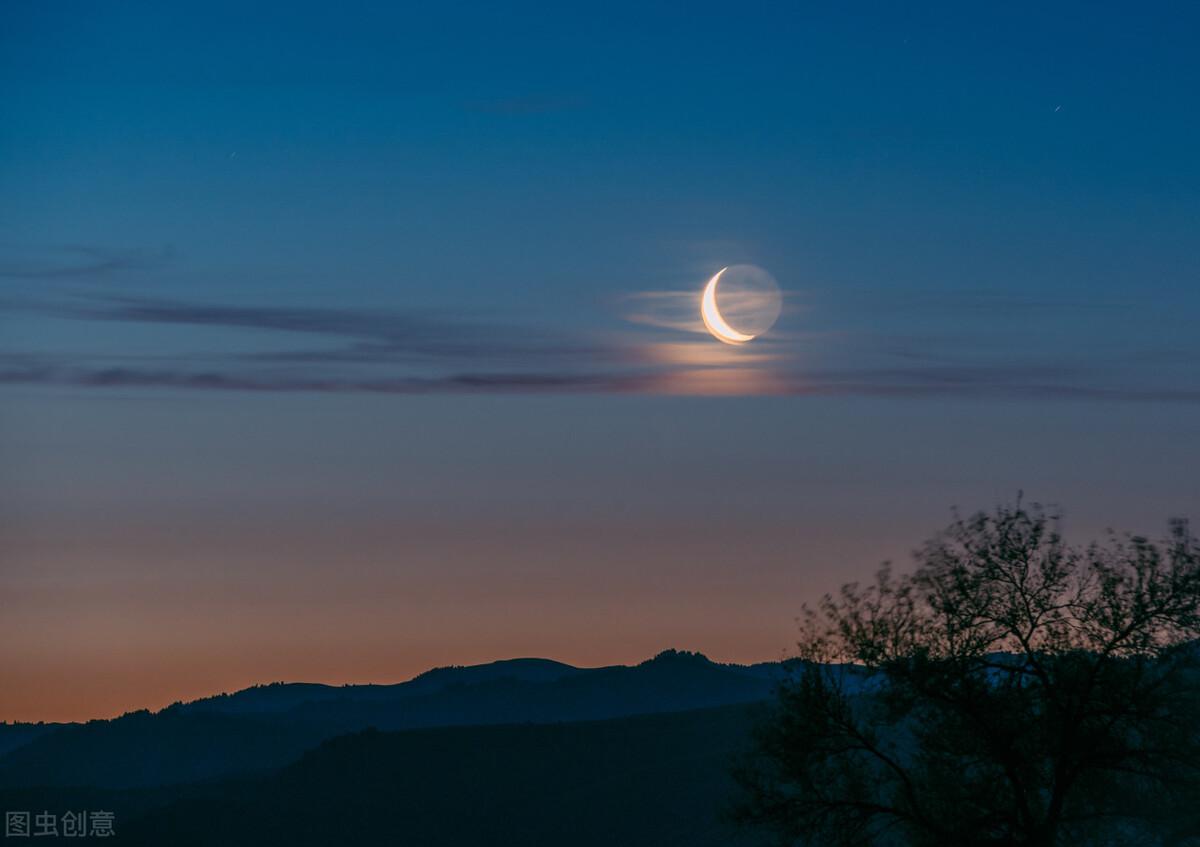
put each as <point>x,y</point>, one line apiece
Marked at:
<point>1013,186</point>
<point>369,274</point>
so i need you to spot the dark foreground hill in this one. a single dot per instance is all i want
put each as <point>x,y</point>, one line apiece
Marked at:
<point>268,726</point>
<point>648,780</point>
<point>14,735</point>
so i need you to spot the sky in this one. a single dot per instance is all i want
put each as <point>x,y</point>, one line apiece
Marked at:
<point>340,341</point>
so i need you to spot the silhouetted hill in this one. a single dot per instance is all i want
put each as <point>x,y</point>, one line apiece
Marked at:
<point>281,697</point>
<point>648,780</point>
<point>669,682</point>
<point>14,735</point>
<point>144,749</point>
<point>267,726</point>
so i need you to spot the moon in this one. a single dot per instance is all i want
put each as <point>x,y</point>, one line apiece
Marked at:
<point>755,298</point>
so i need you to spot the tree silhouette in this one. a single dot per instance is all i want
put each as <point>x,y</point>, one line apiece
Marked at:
<point>1012,690</point>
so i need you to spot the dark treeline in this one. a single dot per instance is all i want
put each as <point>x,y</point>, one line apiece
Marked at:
<point>1012,690</point>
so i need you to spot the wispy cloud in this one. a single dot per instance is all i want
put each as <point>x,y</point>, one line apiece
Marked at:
<point>742,379</point>
<point>366,336</point>
<point>677,310</point>
<point>124,377</point>
<point>74,261</point>
<point>662,348</point>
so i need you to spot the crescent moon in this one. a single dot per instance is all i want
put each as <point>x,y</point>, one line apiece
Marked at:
<point>713,321</point>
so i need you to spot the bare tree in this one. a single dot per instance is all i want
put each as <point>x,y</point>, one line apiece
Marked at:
<point>1012,690</point>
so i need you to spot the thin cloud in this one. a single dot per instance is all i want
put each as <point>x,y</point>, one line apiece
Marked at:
<point>367,335</point>
<point>970,303</point>
<point>341,350</point>
<point>125,377</point>
<point>74,261</point>
<point>998,382</point>
<point>680,310</point>
<point>675,310</point>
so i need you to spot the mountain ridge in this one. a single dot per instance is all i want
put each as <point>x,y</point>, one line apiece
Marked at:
<point>264,727</point>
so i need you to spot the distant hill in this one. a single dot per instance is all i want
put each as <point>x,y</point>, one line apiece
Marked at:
<point>14,735</point>
<point>648,780</point>
<point>268,726</point>
<point>282,697</point>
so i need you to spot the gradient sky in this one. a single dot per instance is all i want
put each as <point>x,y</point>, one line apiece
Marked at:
<point>341,341</point>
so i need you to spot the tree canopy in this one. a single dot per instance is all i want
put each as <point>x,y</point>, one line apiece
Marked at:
<point>1013,689</point>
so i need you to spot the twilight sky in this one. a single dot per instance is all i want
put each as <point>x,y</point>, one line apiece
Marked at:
<point>339,341</point>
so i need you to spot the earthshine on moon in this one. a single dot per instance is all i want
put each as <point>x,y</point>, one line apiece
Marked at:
<point>752,304</point>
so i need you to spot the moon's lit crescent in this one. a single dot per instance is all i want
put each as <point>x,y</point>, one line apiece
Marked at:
<point>712,316</point>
